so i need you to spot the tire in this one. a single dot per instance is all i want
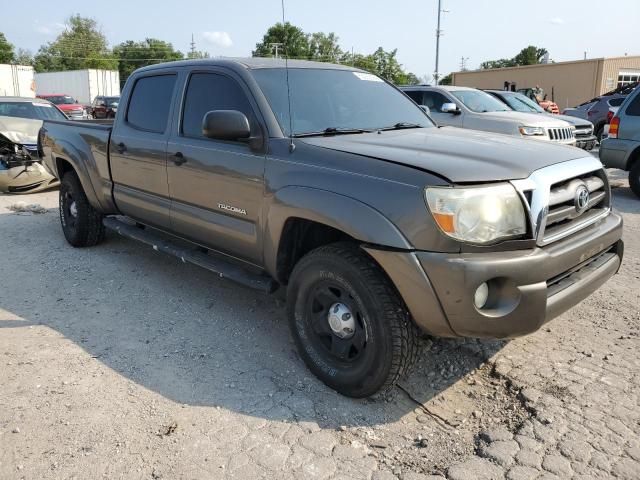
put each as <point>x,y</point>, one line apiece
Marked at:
<point>81,223</point>
<point>384,342</point>
<point>599,132</point>
<point>634,177</point>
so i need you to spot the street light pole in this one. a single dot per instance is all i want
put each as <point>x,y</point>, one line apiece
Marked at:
<point>436,75</point>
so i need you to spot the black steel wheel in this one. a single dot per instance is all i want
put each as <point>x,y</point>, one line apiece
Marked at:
<point>81,223</point>
<point>349,324</point>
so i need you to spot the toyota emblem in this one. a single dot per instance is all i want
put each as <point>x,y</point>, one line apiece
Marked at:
<point>582,198</point>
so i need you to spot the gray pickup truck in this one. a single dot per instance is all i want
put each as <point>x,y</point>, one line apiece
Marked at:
<point>330,181</point>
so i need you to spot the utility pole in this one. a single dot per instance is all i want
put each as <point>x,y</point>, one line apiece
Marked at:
<point>463,63</point>
<point>276,46</point>
<point>439,33</point>
<point>193,47</point>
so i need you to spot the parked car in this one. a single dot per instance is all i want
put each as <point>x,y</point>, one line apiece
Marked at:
<point>585,138</point>
<point>471,108</point>
<point>104,107</point>
<point>596,111</point>
<point>69,106</point>
<point>621,149</point>
<point>21,169</point>
<point>328,180</point>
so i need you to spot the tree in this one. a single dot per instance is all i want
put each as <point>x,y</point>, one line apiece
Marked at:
<point>528,56</point>
<point>133,55</point>
<point>293,42</point>
<point>447,80</point>
<point>81,45</point>
<point>7,54</point>
<point>24,57</point>
<point>324,47</point>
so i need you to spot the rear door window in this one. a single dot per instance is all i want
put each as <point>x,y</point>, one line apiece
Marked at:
<point>415,95</point>
<point>150,103</point>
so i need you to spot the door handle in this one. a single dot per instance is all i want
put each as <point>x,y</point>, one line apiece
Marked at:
<point>179,159</point>
<point>121,147</point>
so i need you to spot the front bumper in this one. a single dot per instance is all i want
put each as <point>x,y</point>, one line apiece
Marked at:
<point>528,287</point>
<point>586,142</point>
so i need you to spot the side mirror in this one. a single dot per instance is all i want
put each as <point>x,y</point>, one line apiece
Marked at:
<point>226,125</point>
<point>425,109</point>
<point>450,108</point>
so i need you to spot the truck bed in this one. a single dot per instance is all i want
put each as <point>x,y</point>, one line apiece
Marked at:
<point>87,140</point>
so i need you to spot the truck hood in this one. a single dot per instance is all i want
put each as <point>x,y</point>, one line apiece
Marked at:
<point>525,119</point>
<point>23,131</point>
<point>461,156</point>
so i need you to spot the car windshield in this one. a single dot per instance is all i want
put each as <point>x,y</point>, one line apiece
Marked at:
<point>522,103</point>
<point>327,101</point>
<point>61,100</point>
<point>35,110</point>
<point>111,101</point>
<point>479,101</point>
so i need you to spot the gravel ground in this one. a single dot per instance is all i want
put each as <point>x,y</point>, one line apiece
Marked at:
<point>119,362</point>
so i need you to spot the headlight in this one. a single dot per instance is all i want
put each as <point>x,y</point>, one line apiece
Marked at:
<point>478,214</point>
<point>531,131</point>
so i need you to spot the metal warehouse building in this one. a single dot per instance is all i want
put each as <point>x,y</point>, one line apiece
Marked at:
<point>566,83</point>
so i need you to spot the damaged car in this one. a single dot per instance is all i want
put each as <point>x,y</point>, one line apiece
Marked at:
<point>21,169</point>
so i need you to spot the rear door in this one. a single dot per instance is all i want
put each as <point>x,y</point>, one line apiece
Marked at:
<point>216,186</point>
<point>138,150</point>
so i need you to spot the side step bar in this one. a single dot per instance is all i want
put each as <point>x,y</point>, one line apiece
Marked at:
<point>219,265</point>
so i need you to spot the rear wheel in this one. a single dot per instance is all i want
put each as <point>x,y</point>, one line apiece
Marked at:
<point>634,177</point>
<point>81,223</point>
<point>349,324</point>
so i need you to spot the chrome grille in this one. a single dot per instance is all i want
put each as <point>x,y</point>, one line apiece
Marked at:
<point>561,134</point>
<point>563,214</point>
<point>551,197</point>
<point>585,131</point>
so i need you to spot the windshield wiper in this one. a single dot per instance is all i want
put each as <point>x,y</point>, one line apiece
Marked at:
<point>332,131</point>
<point>402,126</point>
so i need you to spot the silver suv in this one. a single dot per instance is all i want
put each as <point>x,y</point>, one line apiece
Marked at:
<point>472,108</point>
<point>622,147</point>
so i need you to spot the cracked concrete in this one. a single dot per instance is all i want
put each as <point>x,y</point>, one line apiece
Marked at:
<point>118,362</point>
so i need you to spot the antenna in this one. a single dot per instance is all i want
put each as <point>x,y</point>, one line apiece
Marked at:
<point>292,146</point>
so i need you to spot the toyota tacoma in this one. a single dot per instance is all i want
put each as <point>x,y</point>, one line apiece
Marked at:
<point>331,182</point>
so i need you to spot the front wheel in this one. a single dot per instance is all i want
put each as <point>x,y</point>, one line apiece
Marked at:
<point>81,223</point>
<point>349,324</point>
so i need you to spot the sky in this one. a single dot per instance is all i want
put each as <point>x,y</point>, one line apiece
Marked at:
<point>474,29</point>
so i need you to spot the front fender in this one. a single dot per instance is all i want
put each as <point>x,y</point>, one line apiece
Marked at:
<point>356,219</point>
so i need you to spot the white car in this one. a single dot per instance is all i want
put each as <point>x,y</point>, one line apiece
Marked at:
<point>472,108</point>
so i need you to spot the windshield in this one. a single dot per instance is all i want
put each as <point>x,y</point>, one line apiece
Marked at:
<point>479,101</point>
<point>35,110</point>
<point>61,100</point>
<point>522,103</point>
<point>336,100</point>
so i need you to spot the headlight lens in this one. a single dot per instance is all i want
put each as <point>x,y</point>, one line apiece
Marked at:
<point>531,131</point>
<point>478,214</point>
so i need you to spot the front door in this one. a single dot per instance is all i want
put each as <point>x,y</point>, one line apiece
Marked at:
<point>435,100</point>
<point>216,187</point>
<point>138,151</point>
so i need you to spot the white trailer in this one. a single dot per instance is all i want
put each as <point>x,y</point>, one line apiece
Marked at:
<point>16,81</point>
<point>83,85</point>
